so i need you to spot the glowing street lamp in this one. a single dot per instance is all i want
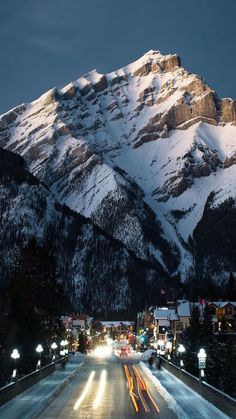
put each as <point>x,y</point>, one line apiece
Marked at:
<point>54,347</point>
<point>168,347</point>
<point>39,350</point>
<point>201,363</point>
<point>63,344</point>
<point>66,344</point>
<point>181,350</point>
<point>15,355</point>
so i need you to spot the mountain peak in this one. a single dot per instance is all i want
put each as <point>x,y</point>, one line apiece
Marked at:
<point>114,147</point>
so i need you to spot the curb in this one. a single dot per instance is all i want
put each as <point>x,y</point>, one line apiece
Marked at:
<point>42,405</point>
<point>169,399</point>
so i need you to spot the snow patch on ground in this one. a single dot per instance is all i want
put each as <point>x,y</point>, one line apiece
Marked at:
<point>164,393</point>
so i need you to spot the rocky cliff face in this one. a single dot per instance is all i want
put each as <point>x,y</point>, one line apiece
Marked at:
<point>97,272</point>
<point>138,151</point>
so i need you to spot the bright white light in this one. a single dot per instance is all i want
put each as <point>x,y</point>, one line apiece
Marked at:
<point>202,353</point>
<point>103,351</point>
<point>39,349</point>
<point>15,354</point>
<point>109,341</point>
<point>54,345</point>
<point>86,390</point>
<point>101,389</point>
<point>181,348</point>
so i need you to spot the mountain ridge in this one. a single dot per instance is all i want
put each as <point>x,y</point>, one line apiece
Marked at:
<point>145,142</point>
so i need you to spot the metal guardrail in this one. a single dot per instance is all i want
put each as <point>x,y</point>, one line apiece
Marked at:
<point>11,390</point>
<point>217,397</point>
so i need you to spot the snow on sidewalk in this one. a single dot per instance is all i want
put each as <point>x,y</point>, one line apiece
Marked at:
<point>35,399</point>
<point>187,402</point>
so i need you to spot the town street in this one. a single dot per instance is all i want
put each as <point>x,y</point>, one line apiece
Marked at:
<point>109,388</point>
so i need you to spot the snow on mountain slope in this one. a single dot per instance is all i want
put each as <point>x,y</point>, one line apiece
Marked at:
<point>97,272</point>
<point>138,151</point>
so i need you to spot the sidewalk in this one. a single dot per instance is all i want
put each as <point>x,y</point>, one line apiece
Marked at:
<point>34,400</point>
<point>191,403</point>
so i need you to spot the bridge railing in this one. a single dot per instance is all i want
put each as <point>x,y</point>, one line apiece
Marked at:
<point>13,389</point>
<point>221,400</point>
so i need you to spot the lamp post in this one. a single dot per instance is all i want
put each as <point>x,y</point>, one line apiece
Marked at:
<point>168,347</point>
<point>39,350</point>
<point>66,346</point>
<point>181,350</point>
<point>62,344</point>
<point>54,347</point>
<point>15,355</point>
<point>201,363</point>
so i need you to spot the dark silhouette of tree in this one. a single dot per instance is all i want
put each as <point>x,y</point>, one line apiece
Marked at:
<point>231,288</point>
<point>35,302</point>
<point>82,343</point>
<point>191,341</point>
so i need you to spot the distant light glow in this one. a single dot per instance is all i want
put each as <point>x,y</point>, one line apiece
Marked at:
<point>103,351</point>
<point>101,389</point>
<point>85,392</point>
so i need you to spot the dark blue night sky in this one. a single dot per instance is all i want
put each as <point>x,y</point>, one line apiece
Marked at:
<point>48,43</point>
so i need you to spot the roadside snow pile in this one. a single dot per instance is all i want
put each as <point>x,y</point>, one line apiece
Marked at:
<point>147,354</point>
<point>164,393</point>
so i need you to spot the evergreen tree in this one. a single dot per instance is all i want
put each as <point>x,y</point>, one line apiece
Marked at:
<point>228,378</point>
<point>192,341</point>
<point>231,288</point>
<point>82,343</point>
<point>35,300</point>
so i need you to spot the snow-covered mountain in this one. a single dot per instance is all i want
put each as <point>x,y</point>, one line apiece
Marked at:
<point>97,272</point>
<point>142,152</point>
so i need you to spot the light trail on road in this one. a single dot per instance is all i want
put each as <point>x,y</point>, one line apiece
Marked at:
<point>101,389</point>
<point>131,387</point>
<point>143,399</point>
<point>145,388</point>
<point>85,392</point>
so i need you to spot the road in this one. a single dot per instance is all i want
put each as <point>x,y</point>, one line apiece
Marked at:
<point>109,388</point>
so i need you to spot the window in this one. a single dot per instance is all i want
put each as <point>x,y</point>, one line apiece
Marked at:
<point>228,311</point>
<point>179,326</point>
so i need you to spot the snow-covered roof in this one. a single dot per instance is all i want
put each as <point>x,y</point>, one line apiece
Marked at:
<point>165,313</point>
<point>222,304</point>
<point>183,309</point>
<point>116,323</point>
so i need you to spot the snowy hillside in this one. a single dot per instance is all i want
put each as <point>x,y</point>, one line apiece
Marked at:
<point>139,151</point>
<point>97,272</point>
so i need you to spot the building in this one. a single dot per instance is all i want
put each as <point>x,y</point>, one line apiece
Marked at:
<point>119,329</point>
<point>223,311</point>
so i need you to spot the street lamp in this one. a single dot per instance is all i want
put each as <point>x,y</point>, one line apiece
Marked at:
<point>66,344</point>
<point>39,350</point>
<point>15,355</point>
<point>168,347</point>
<point>201,363</point>
<point>62,344</point>
<point>54,347</point>
<point>181,350</point>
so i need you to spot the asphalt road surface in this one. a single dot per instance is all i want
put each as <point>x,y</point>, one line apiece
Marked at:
<point>109,388</point>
